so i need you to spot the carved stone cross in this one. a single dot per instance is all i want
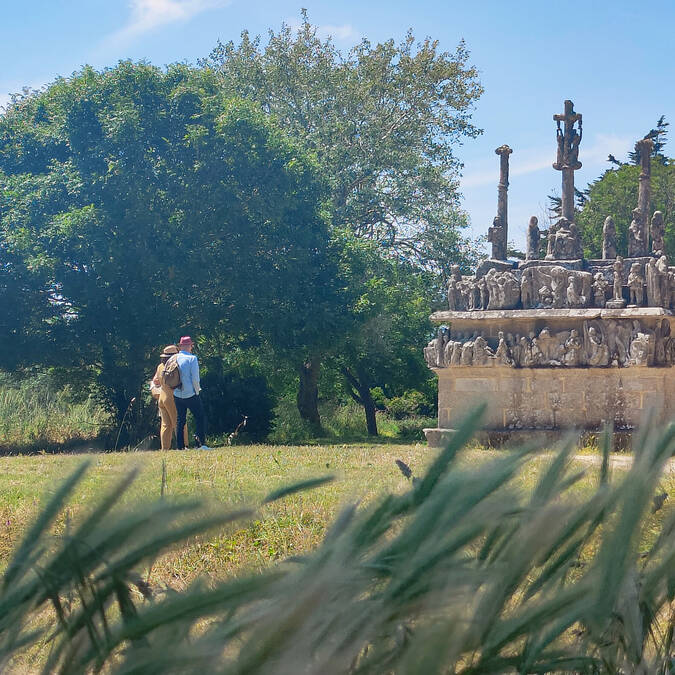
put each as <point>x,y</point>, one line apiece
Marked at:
<point>567,159</point>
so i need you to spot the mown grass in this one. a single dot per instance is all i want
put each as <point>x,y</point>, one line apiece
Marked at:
<point>491,561</point>
<point>232,477</point>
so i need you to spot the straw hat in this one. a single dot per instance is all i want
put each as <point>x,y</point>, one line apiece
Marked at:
<point>170,350</point>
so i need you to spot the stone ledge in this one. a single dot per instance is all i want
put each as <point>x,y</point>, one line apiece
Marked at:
<point>529,314</point>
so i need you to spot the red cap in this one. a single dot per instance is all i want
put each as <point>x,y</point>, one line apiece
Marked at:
<point>185,340</point>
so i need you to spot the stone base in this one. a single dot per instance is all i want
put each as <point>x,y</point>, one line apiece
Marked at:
<point>615,304</point>
<point>556,399</point>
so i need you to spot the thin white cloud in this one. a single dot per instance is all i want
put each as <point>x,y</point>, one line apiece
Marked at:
<point>147,15</point>
<point>537,159</point>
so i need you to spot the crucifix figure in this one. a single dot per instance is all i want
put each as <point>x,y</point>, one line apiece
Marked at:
<point>498,233</point>
<point>567,159</point>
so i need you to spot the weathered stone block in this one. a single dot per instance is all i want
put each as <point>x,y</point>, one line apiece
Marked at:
<point>475,384</point>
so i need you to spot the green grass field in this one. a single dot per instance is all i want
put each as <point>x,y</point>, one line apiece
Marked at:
<point>239,476</point>
<point>233,476</point>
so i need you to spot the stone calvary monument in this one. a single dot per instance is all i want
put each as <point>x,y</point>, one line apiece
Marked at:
<point>557,341</point>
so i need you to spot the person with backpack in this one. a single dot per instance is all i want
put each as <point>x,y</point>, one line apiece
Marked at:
<point>186,395</point>
<point>165,400</point>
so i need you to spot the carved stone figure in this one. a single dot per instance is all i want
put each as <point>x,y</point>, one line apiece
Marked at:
<point>566,243</point>
<point>600,288</point>
<point>609,239</point>
<point>547,343</point>
<point>662,271</point>
<point>545,297</point>
<point>434,352</point>
<point>533,236</point>
<point>456,358</point>
<point>482,354</point>
<point>483,291</point>
<point>618,341</point>
<point>573,346</point>
<point>636,284</point>
<point>454,295</point>
<point>454,289</point>
<point>467,353</point>
<point>617,301</point>
<point>597,352</point>
<point>637,246</point>
<point>656,279</point>
<point>473,295</point>
<point>527,290</point>
<point>497,237</point>
<point>574,292</point>
<point>658,231</point>
<point>526,359</point>
<point>503,289</point>
<point>503,354</point>
<point>558,286</point>
<point>662,351</point>
<point>639,350</point>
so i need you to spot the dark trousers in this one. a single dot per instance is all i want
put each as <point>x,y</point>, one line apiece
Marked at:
<point>194,405</point>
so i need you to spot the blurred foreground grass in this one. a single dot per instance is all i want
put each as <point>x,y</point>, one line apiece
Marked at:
<point>491,562</point>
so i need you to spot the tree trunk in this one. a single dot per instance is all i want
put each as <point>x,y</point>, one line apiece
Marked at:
<point>360,392</point>
<point>308,393</point>
<point>369,407</point>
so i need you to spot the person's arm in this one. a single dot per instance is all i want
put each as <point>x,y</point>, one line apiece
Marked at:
<point>195,375</point>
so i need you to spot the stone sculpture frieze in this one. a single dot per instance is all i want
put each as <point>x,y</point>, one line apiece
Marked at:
<point>600,343</point>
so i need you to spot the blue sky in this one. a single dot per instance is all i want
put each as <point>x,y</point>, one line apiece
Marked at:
<point>612,58</point>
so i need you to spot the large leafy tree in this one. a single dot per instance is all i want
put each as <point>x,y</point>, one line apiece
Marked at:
<point>389,305</point>
<point>382,120</point>
<point>615,194</point>
<point>138,203</point>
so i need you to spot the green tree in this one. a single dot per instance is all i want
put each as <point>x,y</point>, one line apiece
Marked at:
<point>615,194</point>
<point>382,120</point>
<point>390,302</point>
<point>138,203</point>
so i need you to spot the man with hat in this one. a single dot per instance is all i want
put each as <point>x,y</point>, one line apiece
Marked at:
<point>186,395</point>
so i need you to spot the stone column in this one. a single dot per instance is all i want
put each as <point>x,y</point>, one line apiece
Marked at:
<point>644,149</point>
<point>499,247</point>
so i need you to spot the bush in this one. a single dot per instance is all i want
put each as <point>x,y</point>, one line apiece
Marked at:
<point>410,404</point>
